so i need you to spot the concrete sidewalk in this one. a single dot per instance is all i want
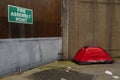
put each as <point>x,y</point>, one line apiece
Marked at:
<point>67,70</point>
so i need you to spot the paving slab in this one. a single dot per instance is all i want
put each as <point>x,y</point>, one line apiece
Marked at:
<point>67,70</point>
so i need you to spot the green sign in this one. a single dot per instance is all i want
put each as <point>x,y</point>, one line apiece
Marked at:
<point>20,15</point>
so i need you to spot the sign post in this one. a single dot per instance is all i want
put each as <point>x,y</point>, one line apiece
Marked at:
<point>20,15</point>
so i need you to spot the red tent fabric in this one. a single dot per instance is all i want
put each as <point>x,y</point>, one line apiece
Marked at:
<point>88,55</point>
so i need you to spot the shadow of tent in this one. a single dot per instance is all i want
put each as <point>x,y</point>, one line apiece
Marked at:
<point>60,74</point>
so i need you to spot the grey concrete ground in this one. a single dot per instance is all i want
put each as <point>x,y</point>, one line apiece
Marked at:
<point>67,70</point>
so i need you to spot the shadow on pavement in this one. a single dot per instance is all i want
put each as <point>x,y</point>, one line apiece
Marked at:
<point>60,74</point>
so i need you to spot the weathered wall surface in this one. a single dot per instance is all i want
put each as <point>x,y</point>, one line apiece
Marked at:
<point>46,19</point>
<point>23,54</point>
<point>24,46</point>
<point>93,23</point>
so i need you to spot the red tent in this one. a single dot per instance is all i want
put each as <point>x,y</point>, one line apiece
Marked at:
<point>88,55</point>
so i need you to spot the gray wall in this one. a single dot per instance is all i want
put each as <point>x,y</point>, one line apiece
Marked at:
<point>22,54</point>
<point>91,23</point>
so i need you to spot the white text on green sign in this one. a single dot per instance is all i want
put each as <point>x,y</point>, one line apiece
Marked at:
<point>20,15</point>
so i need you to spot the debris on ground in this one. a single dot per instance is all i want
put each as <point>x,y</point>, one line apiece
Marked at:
<point>115,77</point>
<point>63,79</point>
<point>68,69</point>
<point>111,74</point>
<point>108,72</point>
